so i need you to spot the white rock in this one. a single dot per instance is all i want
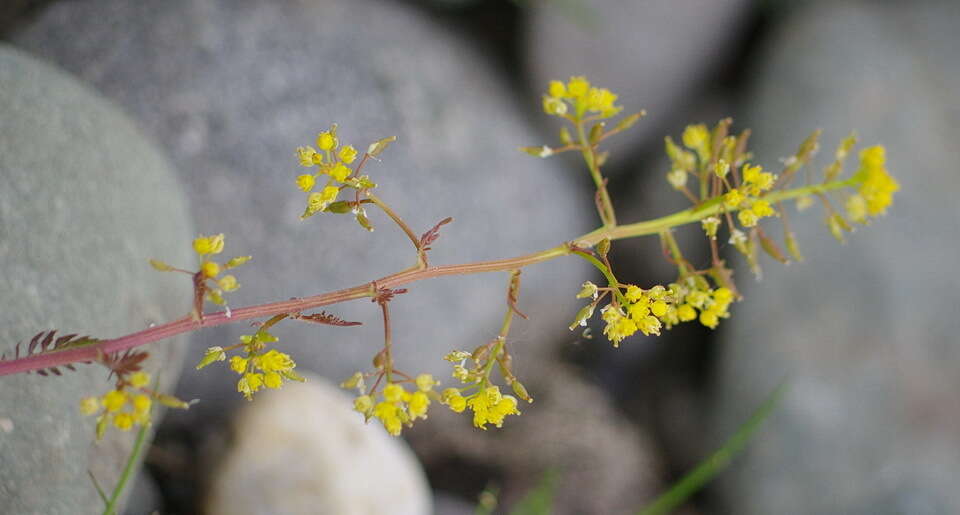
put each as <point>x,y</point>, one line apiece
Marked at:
<point>302,449</point>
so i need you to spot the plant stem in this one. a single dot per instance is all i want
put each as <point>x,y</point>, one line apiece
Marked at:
<point>367,290</point>
<point>607,215</point>
<point>127,470</point>
<point>421,258</point>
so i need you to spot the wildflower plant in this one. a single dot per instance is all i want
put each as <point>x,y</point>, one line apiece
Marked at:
<point>733,199</point>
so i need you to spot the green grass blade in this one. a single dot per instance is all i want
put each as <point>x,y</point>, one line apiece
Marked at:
<point>96,484</point>
<point>717,462</point>
<point>539,501</point>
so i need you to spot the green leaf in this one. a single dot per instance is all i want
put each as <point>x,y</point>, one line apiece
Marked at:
<point>716,462</point>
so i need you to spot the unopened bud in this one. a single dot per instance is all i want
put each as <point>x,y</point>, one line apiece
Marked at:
<point>160,265</point>
<point>213,354</point>
<point>521,391</point>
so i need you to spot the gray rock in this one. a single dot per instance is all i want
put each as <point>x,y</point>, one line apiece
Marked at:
<point>865,333</point>
<point>571,428</point>
<point>80,192</point>
<point>655,55</point>
<point>232,87</point>
<point>304,450</point>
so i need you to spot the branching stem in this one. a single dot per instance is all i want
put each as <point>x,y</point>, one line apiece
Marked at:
<point>368,290</point>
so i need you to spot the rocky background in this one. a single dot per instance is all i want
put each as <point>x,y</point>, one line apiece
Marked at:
<point>129,127</point>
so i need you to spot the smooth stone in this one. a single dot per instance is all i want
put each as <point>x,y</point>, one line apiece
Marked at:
<point>302,449</point>
<point>231,88</point>
<point>81,190</point>
<point>655,55</point>
<point>865,333</point>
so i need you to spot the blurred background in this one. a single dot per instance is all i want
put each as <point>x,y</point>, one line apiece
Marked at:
<point>127,128</point>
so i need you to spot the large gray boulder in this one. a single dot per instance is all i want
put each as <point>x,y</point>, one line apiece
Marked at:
<point>866,334</point>
<point>232,87</point>
<point>81,190</point>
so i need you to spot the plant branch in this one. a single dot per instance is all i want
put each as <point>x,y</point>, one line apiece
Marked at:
<point>367,290</point>
<point>421,256</point>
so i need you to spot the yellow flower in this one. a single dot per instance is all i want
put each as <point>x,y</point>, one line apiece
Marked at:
<point>425,382</point>
<point>634,293</point>
<point>208,244</point>
<point>649,325</point>
<point>329,194</point>
<point>238,364</point>
<point>601,100</point>
<point>326,141</point>
<point>123,421</point>
<point>308,156</point>
<point>141,404</point>
<point>710,226</point>
<point>618,326</point>
<point>393,392</point>
<point>139,379</point>
<point>878,186</point>
<point>723,294</point>
<point>732,198</point>
<point>347,154</point>
<point>452,398</point>
<point>228,283</point>
<point>339,172</point>
<point>274,361</point>
<point>210,269</point>
<point>507,405</point>
<point>697,298</point>
<point>762,208</point>
<point>114,400</point>
<point>249,384</point>
<point>556,89</point>
<point>363,404</point>
<point>755,180</point>
<point>686,313</point>
<point>577,87</point>
<point>418,404</point>
<point>638,310</point>
<point>857,208</point>
<point>708,317</point>
<point>658,308</point>
<point>306,182</point>
<point>697,137</point>
<point>272,380</point>
<point>389,414</point>
<point>554,106</point>
<point>89,405</point>
<point>747,218</point>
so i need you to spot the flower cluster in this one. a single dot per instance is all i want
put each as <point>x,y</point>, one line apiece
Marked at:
<point>746,198</point>
<point>394,407</point>
<point>649,311</point>
<point>127,405</point>
<point>258,367</point>
<point>876,189</point>
<point>489,406</point>
<point>331,160</point>
<point>581,96</point>
<point>206,247</point>
<point>208,283</point>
